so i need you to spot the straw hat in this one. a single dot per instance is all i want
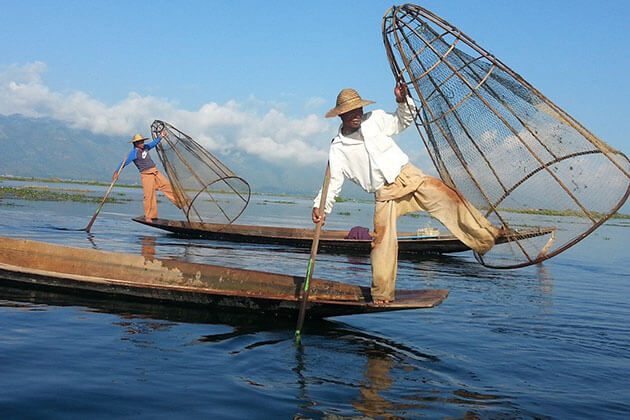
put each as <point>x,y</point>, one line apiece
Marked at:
<point>347,100</point>
<point>138,137</point>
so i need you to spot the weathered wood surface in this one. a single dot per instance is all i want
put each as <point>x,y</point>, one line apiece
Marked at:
<point>27,263</point>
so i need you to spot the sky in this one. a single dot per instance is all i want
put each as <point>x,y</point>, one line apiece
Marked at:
<point>258,76</point>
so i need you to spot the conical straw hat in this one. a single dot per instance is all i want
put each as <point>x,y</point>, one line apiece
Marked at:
<point>138,137</point>
<point>347,100</point>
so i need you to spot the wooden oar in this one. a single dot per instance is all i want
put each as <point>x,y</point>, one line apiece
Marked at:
<point>100,206</point>
<point>311,260</point>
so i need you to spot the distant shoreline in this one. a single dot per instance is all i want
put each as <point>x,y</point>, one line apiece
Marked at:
<point>539,212</point>
<point>106,184</point>
<point>65,181</point>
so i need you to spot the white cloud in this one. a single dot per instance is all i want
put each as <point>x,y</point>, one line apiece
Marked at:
<point>314,103</point>
<point>271,135</point>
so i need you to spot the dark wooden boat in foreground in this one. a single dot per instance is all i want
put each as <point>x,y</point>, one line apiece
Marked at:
<point>410,244</point>
<point>25,263</point>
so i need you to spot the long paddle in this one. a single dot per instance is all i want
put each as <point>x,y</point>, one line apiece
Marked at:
<point>311,260</point>
<point>100,206</point>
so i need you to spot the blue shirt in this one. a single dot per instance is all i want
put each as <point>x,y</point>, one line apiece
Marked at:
<point>141,159</point>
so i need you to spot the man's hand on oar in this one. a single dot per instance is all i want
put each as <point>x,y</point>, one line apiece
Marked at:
<point>318,216</point>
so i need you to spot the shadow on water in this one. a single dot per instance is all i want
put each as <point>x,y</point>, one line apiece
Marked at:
<point>34,298</point>
<point>65,229</point>
<point>90,237</point>
<point>242,323</point>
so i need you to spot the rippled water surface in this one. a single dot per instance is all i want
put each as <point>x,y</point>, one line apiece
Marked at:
<point>551,341</point>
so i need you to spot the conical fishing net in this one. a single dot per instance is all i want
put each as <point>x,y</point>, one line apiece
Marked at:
<point>513,153</point>
<point>209,192</point>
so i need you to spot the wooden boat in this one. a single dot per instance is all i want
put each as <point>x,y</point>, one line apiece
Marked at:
<point>25,263</point>
<point>410,244</point>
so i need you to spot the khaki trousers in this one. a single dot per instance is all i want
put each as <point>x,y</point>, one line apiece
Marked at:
<point>152,182</point>
<point>413,191</point>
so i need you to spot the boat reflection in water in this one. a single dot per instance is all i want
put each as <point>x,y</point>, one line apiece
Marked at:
<point>370,374</point>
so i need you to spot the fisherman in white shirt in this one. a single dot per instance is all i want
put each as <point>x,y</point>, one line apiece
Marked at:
<point>365,153</point>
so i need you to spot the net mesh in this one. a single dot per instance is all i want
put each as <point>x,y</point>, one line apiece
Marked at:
<point>508,149</point>
<point>208,190</point>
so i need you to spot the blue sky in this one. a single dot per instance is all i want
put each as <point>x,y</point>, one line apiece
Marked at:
<point>259,75</point>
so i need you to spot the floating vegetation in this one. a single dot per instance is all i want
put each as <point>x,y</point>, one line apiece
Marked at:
<point>341,199</point>
<point>45,194</point>
<point>278,202</point>
<point>65,181</point>
<point>413,215</point>
<point>344,213</point>
<point>564,213</point>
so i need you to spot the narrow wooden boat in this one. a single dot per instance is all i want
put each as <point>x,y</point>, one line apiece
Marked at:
<point>410,244</point>
<point>25,263</point>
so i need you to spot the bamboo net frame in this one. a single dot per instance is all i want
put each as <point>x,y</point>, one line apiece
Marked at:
<point>207,189</point>
<point>506,147</point>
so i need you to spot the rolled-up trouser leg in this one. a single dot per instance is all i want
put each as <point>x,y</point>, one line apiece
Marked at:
<point>162,184</point>
<point>458,215</point>
<point>384,253</point>
<point>150,196</point>
<point>413,191</point>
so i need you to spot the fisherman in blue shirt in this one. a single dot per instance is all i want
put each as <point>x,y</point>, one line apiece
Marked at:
<point>152,180</point>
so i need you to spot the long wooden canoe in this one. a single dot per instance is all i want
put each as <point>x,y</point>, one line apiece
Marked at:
<point>333,241</point>
<point>25,263</point>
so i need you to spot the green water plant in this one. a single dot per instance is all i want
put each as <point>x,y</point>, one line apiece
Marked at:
<point>46,194</point>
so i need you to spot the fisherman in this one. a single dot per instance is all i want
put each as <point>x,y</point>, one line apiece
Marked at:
<point>364,152</point>
<point>152,179</point>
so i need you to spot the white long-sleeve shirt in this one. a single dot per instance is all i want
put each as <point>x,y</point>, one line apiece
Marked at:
<point>369,157</point>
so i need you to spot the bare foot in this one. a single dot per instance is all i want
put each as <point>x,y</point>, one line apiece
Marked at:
<point>505,231</point>
<point>148,220</point>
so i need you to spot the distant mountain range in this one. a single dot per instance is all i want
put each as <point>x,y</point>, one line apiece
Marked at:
<point>43,147</point>
<point>47,148</point>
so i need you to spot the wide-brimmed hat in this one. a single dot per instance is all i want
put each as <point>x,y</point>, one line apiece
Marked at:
<point>138,137</point>
<point>347,100</point>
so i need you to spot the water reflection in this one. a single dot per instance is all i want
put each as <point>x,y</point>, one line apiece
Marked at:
<point>147,247</point>
<point>545,279</point>
<point>382,360</point>
<point>377,379</point>
<point>366,373</point>
<point>382,378</point>
<point>125,309</point>
<point>139,322</point>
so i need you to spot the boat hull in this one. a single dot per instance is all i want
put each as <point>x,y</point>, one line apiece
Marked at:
<point>32,264</point>
<point>410,245</point>
<point>330,241</point>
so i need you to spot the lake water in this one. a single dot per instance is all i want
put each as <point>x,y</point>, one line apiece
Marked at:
<point>549,341</point>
